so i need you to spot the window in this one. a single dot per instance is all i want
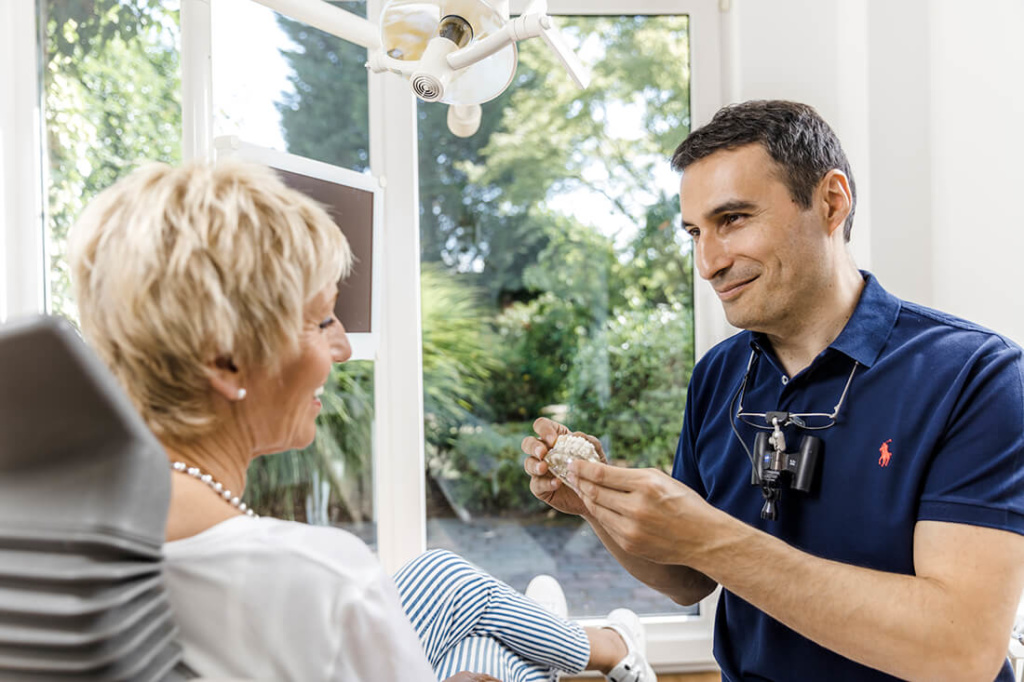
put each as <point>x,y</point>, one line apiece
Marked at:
<point>111,99</point>
<point>282,85</point>
<point>556,281</point>
<point>455,248</point>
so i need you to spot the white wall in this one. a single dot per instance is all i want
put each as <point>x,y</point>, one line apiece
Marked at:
<point>977,148</point>
<point>901,159</point>
<point>811,51</point>
<point>927,96</point>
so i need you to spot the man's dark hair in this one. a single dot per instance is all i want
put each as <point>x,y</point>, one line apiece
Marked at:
<point>794,135</point>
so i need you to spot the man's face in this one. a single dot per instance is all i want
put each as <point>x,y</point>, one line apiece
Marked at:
<point>765,256</point>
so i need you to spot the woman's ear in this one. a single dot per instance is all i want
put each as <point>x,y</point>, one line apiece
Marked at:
<point>225,378</point>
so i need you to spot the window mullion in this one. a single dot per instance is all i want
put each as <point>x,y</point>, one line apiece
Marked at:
<point>399,461</point>
<point>22,251</point>
<point>196,80</point>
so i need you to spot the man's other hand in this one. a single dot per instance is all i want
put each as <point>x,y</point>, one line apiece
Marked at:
<point>544,485</point>
<point>646,512</point>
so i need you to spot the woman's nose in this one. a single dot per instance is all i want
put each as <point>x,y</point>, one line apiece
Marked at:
<point>341,349</point>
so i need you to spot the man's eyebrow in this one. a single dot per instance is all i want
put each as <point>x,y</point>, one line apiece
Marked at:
<point>729,206</point>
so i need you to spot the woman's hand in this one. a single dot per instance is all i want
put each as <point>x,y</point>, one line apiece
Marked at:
<point>472,677</point>
<point>544,485</point>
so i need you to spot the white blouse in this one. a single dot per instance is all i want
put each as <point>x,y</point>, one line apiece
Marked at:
<point>266,599</point>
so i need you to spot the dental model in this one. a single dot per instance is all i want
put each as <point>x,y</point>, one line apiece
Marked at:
<point>566,449</point>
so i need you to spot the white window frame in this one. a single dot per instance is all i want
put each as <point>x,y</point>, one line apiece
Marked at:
<point>22,251</point>
<point>363,343</point>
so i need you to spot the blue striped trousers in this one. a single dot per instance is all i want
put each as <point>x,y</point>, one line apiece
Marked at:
<point>470,620</point>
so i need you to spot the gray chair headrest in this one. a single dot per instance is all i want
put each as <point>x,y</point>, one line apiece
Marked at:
<point>84,492</point>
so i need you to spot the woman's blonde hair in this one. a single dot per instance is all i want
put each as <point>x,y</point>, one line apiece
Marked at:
<point>176,267</point>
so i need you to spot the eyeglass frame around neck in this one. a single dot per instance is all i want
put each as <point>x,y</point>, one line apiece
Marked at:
<point>795,418</point>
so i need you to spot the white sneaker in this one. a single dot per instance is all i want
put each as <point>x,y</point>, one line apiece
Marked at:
<point>547,591</point>
<point>634,667</point>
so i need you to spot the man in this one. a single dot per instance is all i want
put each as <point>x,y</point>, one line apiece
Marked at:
<point>900,553</point>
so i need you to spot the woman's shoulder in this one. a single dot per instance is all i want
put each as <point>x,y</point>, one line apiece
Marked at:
<point>296,588</point>
<point>267,540</point>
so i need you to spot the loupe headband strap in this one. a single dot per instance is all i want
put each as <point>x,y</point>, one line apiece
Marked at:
<point>846,389</point>
<point>796,416</point>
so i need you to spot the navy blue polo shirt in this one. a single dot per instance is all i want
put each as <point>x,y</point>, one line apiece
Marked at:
<point>932,429</point>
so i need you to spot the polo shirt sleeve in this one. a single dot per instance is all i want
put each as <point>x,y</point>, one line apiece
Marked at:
<point>976,476</point>
<point>684,467</point>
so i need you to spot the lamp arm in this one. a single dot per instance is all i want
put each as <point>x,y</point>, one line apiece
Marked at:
<point>327,17</point>
<point>520,28</point>
<point>379,62</point>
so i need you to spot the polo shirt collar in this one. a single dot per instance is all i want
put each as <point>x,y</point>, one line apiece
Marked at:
<point>867,330</point>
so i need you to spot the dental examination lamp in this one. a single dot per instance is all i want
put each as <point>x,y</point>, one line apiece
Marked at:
<point>460,52</point>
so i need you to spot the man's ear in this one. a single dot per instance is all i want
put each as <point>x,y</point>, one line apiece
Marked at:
<point>835,192</point>
<point>225,378</point>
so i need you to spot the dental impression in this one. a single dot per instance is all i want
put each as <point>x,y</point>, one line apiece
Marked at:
<point>566,449</point>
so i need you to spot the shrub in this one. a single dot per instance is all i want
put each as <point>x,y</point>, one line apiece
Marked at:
<point>482,470</point>
<point>628,386</point>
<point>458,357</point>
<point>537,342</point>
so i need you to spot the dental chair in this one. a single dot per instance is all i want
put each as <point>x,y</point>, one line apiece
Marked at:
<point>84,491</point>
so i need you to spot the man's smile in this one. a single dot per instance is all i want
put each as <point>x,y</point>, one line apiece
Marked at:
<point>731,290</point>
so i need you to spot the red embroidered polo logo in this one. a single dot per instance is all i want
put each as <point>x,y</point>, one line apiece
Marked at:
<point>883,461</point>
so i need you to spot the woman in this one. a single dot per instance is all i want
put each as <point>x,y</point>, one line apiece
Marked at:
<point>210,292</point>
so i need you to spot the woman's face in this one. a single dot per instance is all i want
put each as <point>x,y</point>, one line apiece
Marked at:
<point>282,408</point>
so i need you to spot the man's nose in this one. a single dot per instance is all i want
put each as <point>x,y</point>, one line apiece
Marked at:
<point>711,256</point>
<point>341,349</point>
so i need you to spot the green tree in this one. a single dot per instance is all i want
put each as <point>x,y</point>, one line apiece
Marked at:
<point>77,28</point>
<point>628,385</point>
<point>326,117</point>
<point>607,138</point>
<point>457,357</point>
<point>540,138</point>
<point>658,267</point>
<point>578,272</point>
<point>100,123</point>
<point>580,265</point>
<point>537,345</point>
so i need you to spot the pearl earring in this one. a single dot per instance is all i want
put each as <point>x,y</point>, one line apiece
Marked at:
<point>241,394</point>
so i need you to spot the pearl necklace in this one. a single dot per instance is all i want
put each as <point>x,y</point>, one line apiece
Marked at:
<point>216,487</point>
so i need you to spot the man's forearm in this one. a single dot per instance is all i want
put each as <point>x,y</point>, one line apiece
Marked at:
<point>909,626</point>
<point>681,584</point>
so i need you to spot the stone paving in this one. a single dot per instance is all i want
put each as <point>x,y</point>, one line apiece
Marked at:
<point>516,550</point>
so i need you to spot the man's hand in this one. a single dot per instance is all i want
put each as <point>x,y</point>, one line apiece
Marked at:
<point>680,583</point>
<point>544,485</point>
<point>471,677</point>
<point>646,512</point>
